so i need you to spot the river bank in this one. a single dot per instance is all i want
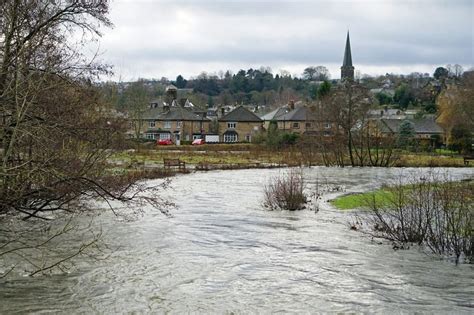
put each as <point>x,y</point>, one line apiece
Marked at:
<point>245,156</point>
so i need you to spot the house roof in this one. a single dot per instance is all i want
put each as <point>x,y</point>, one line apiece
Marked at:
<point>174,113</point>
<point>298,114</point>
<point>424,125</point>
<point>275,113</point>
<point>241,114</point>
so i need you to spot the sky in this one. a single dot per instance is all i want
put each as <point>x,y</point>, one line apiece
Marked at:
<point>162,38</point>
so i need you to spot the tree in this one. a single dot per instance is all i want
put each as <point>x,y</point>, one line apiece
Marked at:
<point>345,109</point>
<point>440,73</point>
<point>180,82</point>
<point>403,96</point>
<point>456,108</point>
<point>55,128</point>
<point>318,73</point>
<point>136,103</point>
<point>406,134</point>
<point>324,89</point>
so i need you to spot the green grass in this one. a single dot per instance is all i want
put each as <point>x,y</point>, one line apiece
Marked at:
<point>361,200</point>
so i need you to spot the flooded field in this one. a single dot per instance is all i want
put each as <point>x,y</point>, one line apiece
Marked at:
<point>222,252</point>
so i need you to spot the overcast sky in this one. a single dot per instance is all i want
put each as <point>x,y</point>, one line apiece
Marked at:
<point>156,38</point>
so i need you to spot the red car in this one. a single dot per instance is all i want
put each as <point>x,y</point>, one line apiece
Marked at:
<point>164,142</point>
<point>198,141</point>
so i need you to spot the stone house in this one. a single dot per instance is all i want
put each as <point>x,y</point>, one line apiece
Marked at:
<point>239,125</point>
<point>172,122</point>
<point>426,130</point>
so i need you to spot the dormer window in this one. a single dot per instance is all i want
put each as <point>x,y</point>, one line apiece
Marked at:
<point>231,125</point>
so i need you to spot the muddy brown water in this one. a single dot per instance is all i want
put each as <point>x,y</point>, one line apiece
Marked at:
<point>221,252</point>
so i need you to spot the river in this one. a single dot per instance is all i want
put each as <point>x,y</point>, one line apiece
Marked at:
<point>221,252</point>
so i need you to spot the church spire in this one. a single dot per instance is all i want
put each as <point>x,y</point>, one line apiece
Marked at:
<point>347,69</point>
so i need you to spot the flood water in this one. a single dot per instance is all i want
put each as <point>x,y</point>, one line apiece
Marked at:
<point>221,252</point>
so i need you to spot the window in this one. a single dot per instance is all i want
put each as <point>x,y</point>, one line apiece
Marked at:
<point>230,137</point>
<point>248,138</point>
<point>167,125</point>
<point>179,124</point>
<point>151,124</point>
<point>165,136</point>
<point>327,125</point>
<point>150,136</point>
<point>296,125</point>
<point>308,125</point>
<point>231,125</point>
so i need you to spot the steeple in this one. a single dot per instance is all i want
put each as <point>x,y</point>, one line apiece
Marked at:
<point>347,69</point>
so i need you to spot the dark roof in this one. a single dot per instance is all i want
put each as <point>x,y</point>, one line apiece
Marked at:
<point>298,114</point>
<point>174,113</point>
<point>275,113</point>
<point>347,62</point>
<point>424,125</point>
<point>241,114</point>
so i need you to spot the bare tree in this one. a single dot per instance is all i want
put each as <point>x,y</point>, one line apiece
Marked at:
<point>54,135</point>
<point>346,130</point>
<point>318,73</point>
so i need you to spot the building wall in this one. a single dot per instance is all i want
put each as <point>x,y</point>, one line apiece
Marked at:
<point>186,128</point>
<point>297,126</point>
<point>243,130</point>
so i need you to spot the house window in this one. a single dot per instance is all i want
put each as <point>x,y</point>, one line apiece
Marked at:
<point>230,137</point>
<point>231,125</point>
<point>296,125</point>
<point>167,125</point>
<point>151,124</point>
<point>150,136</point>
<point>165,136</point>
<point>308,125</point>
<point>248,138</point>
<point>179,124</point>
<point>327,125</point>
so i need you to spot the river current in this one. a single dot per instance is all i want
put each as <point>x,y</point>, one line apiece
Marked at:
<point>222,252</point>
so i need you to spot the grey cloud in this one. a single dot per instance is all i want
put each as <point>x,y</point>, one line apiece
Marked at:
<point>391,33</point>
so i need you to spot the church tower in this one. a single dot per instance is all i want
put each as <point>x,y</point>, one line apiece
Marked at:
<point>347,69</point>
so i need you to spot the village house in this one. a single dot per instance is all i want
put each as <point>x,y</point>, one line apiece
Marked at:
<point>172,122</point>
<point>426,130</point>
<point>239,125</point>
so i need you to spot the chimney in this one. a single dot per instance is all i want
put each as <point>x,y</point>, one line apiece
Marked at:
<point>222,111</point>
<point>292,104</point>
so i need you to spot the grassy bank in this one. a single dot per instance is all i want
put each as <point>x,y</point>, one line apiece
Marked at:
<point>362,200</point>
<point>225,155</point>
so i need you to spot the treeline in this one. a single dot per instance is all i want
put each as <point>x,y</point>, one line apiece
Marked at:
<point>263,87</point>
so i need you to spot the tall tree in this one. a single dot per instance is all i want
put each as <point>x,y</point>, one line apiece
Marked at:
<point>55,129</point>
<point>318,73</point>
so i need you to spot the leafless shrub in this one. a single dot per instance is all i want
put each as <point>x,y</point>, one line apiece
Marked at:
<point>431,211</point>
<point>286,191</point>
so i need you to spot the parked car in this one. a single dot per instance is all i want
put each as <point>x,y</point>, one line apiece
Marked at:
<point>164,142</point>
<point>198,141</point>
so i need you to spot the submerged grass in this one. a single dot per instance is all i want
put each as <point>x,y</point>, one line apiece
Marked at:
<point>382,198</point>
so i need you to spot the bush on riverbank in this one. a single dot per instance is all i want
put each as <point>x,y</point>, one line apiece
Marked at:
<point>431,211</point>
<point>285,192</point>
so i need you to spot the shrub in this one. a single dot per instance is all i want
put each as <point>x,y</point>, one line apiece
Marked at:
<point>285,192</point>
<point>431,211</point>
